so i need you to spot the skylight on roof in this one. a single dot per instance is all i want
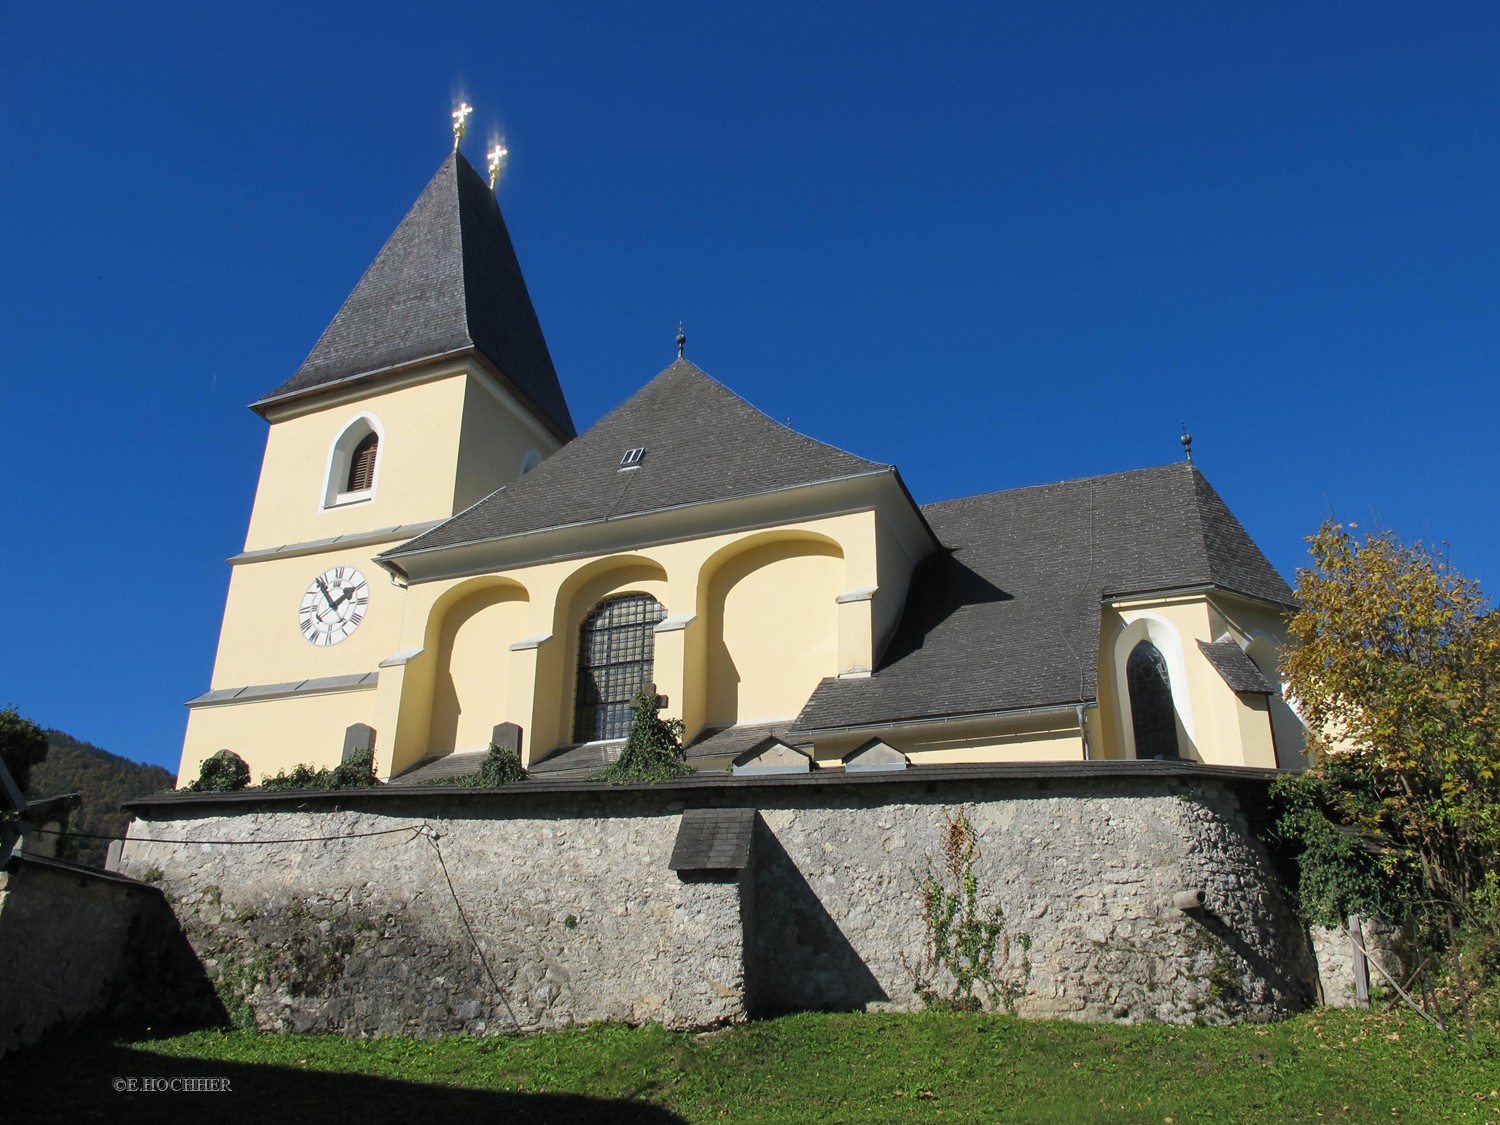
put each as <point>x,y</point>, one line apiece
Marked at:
<point>633,457</point>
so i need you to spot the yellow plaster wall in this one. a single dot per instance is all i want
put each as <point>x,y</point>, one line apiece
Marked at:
<point>472,666</point>
<point>275,734</point>
<point>1037,738</point>
<point>680,575</point>
<point>492,441</point>
<point>772,629</point>
<point>893,578</point>
<point>260,642</point>
<point>415,470</point>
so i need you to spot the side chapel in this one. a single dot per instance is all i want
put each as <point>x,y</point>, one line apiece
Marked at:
<point>435,551</point>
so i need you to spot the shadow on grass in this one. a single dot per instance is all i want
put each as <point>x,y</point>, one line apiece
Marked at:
<point>73,1080</point>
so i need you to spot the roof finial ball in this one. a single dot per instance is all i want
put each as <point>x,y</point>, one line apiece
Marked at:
<point>681,339</point>
<point>1187,443</point>
<point>461,122</point>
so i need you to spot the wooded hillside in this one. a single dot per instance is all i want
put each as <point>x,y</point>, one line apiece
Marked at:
<point>103,780</point>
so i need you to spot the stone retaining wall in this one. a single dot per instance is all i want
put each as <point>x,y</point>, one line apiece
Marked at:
<point>71,947</point>
<point>438,912</point>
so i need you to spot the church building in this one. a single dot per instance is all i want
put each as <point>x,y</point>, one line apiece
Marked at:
<point>435,552</point>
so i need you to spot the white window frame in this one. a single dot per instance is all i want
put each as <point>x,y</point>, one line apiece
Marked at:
<point>1142,625</point>
<point>339,452</point>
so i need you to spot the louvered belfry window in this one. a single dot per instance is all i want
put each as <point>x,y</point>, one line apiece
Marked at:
<point>362,464</point>
<point>1152,715</point>
<point>616,647</point>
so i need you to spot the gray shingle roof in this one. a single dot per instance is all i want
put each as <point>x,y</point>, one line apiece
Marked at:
<point>703,443</point>
<point>713,840</point>
<point>1008,616</point>
<point>586,758</point>
<point>1238,670</point>
<point>463,764</point>
<point>445,281</point>
<point>732,741</point>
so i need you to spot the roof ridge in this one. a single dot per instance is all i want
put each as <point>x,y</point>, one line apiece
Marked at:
<point>1093,478</point>
<point>764,414</point>
<point>1200,539</point>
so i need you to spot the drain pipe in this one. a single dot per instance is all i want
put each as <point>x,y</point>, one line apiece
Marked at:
<point>1083,733</point>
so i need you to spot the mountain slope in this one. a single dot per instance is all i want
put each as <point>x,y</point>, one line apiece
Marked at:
<point>103,780</point>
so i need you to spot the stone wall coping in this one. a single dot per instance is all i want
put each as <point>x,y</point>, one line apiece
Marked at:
<point>699,782</point>
<point>67,866</point>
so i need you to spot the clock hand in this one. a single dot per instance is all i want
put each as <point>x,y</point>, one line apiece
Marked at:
<point>327,597</point>
<point>349,592</point>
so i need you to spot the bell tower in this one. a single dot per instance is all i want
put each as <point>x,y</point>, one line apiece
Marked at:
<point>432,387</point>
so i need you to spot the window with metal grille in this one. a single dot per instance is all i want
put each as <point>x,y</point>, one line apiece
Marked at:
<point>616,646</point>
<point>1152,716</point>
<point>362,464</point>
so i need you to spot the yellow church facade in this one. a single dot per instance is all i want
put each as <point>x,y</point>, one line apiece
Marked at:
<point>434,551</point>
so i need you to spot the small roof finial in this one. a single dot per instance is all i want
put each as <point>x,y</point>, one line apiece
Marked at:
<point>681,339</point>
<point>1187,442</point>
<point>496,157</point>
<point>461,122</point>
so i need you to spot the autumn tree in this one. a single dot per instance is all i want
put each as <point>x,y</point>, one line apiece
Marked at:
<point>1394,662</point>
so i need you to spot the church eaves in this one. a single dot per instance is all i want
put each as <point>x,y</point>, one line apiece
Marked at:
<point>702,443</point>
<point>446,282</point>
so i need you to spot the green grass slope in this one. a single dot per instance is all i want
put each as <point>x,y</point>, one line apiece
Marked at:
<point>1318,1067</point>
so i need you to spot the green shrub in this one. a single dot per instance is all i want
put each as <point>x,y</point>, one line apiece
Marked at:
<point>653,749</point>
<point>223,772</point>
<point>357,773</point>
<point>501,766</point>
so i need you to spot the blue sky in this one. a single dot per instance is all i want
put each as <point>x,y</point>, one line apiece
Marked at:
<point>996,244</point>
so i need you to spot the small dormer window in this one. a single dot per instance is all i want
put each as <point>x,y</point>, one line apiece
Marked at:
<point>633,457</point>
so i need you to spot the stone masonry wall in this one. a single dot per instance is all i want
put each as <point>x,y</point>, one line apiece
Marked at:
<point>562,907</point>
<point>64,945</point>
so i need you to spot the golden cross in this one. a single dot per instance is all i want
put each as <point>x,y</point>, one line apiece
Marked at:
<point>497,157</point>
<point>461,122</point>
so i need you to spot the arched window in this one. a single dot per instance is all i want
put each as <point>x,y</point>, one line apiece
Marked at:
<point>616,646</point>
<point>362,464</point>
<point>352,463</point>
<point>1151,713</point>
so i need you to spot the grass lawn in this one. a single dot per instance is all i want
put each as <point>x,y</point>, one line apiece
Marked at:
<point>1322,1066</point>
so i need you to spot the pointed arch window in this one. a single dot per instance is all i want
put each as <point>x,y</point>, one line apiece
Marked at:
<point>616,652</point>
<point>353,463</point>
<point>1152,716</point>
<point>362,464</point>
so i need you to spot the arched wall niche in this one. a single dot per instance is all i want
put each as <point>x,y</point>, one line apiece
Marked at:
<point>579,593</point>
<point>469,634</point>
<point>1143,625</point>
<point>769,606</point>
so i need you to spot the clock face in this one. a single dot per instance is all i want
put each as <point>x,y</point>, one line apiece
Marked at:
<point>333,606</point>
